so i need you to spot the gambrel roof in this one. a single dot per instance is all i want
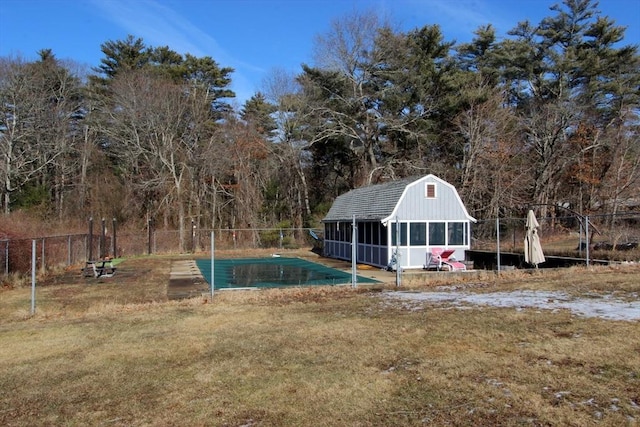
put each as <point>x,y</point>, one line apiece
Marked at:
<point>374,202</point>
<point>379,202</point>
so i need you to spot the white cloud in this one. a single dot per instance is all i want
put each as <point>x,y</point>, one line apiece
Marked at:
<point>159,25</point>
<point>459,18</point>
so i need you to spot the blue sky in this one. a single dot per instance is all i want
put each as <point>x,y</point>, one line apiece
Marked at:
<point>252,36</point>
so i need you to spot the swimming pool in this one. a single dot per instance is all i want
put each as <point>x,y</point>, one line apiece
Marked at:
<point>274,272</point>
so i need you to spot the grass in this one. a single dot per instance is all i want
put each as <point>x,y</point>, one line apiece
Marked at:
<point>115,352</point>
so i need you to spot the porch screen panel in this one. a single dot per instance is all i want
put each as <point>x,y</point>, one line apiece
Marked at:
<point>375,233</point>
<point>418,234</point>
<point>436,233</point>
<point>457,233</point>
<point>403,234</point>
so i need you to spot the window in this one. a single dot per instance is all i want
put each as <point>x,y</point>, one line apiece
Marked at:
<point>418,234</point>
<point>403,234</point>
<point>456,231</point>
<point>436,234</point>
<point>430,191</point>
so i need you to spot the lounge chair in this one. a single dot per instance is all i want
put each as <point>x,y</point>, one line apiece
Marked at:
<point>442,259</point>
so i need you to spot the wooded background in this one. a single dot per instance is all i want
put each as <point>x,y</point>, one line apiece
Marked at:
<point>548,115</point>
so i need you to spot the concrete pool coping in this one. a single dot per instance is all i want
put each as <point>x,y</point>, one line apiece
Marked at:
<point>276,271</point>
<point>186,279</point>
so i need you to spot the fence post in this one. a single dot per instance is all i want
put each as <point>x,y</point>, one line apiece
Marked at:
<point>213,275</point>
<point>6,259</point>
<point>193,236</point>
<point>33,277</point>
<point>90,239</point>
<point>42,264</point>
<point>498,243</point>
<point>354,252</point>
<point>113,222</point>
<point>149,237</point>
<point>587,237</point>
<point>398,267</point>
<point>69,250</point>
<point>103,240</point>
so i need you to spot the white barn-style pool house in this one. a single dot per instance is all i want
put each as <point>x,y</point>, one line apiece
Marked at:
<point>410,216</point>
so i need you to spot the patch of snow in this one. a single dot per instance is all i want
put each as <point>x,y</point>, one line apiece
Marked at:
<point>605,307</point>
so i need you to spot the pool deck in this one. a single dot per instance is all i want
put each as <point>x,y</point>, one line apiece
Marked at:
<point>185,280</point>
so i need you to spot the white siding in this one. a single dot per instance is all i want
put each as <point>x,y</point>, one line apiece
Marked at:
<point>446,206</point>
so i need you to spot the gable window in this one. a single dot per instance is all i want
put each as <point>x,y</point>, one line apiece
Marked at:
<point>430,191</point>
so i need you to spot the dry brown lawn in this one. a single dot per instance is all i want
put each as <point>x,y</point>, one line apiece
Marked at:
<point>116,352</point>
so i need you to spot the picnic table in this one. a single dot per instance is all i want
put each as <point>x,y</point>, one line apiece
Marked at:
<point>99,268</point>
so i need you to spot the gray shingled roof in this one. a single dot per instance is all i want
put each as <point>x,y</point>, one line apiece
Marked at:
<point>374,202</point>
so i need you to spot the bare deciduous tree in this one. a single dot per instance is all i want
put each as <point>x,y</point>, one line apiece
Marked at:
<point>39,101</point>
<point>290,148</point>
<point>148,131</point>
<point>494,172</point>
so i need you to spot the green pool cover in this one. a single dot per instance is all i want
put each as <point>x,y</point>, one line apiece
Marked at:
<point>274,272</point>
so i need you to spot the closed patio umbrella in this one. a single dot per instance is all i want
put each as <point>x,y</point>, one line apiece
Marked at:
<point>532,248</point>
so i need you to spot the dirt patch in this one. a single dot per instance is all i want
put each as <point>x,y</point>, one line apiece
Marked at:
<point>186,288</point>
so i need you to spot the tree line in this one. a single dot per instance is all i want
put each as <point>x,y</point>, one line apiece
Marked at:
<point>548,114</point>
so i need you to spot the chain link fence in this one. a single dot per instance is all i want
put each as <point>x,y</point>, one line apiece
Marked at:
<point>604,236</point>
<point>199,240</point>
<point>16,254</point>
<point>76,249</point>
